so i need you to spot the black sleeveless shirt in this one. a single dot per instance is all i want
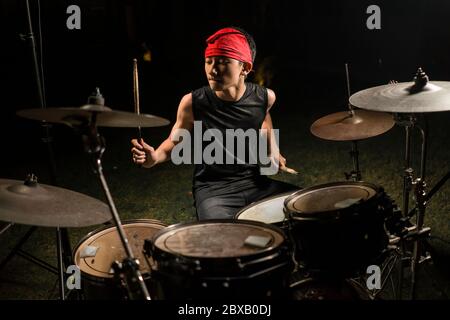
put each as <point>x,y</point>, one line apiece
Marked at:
<point>248,112</point>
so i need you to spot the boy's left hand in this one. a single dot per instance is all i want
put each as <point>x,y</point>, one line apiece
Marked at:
<point>283,168</point>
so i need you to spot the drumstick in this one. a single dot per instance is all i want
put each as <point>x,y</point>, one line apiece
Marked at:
<point>136,94</point>
<point>288,170</point>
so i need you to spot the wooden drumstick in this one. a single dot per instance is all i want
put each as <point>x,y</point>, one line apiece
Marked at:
<point>288,170</point>
<point>136,93</point>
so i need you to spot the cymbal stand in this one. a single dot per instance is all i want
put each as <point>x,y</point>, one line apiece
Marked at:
<point>95,146</point>
<point>62,237</point>
<point>355,175</point>
<point>415,232</point>
<point>62,249</point>
<point>407,121</point>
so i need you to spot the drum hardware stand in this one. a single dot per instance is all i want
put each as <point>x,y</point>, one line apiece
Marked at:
<point>62,236</point>
<point>62,246</point>
<point>417,233</point>
<point>32,180</point>
<point>6,227</point>
<point>123,273</point>
<point>95,146</point>
<point>18,251</point>
<point>386,272</point>
<point>355,174</point>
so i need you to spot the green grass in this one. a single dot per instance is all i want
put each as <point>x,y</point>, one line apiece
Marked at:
<point>164,192</point>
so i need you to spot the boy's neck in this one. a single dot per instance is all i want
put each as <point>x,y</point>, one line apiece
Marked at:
<point>232,93</point>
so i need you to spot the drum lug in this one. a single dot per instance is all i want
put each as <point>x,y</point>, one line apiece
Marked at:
<point>191,266</point>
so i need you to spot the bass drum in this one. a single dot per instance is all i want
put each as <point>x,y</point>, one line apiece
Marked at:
<point>96,252</point>
<point>339,228</point>
<point>220,259</point>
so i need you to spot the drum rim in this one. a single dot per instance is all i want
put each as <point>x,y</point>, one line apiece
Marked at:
<point>255,203</point>
<point>100,229</point>
<point>176,226</point>
<point>315,216</point>
<point>111,224</point>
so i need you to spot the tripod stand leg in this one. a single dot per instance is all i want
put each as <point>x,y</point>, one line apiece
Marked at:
<point>6,227</point>
<point>399,289</point>
<point>63,255</point>
<point>66,248</point>
<point>407,177</point>
<point>415,256</point>
<point>60,263</point>
<point>17,247</point>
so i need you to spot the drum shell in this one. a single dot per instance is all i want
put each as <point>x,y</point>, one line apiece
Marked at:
<point>305,286</point>
<point>344,241</point>
<point>262,275</point>
<point>105,287</point>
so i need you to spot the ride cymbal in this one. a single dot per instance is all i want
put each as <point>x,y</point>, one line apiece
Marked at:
<point>404,97</point>
<point>36,204</point>
<point>347,126</point>
<point>105,117</point>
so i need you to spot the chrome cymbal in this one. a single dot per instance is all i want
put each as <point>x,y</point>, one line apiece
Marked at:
<point>404,98</point>
<point>347,126</point>
<point>36,204</point>
<point>105,117</point>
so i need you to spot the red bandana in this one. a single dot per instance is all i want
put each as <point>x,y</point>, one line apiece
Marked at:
<point>231,43</point>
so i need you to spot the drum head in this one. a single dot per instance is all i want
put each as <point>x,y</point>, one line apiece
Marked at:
<point>329,198</point>
<point>218,239</point>
<point>269,210</point>
<point>100,248</point>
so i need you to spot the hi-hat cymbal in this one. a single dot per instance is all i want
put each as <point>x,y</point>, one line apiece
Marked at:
<point>43,205</point>
<point>345,126</point>
<point>402,98</point>
<point>106,117</point>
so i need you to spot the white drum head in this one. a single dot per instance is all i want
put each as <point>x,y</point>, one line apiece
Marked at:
<point>96,253</point>
<point>268,210</point>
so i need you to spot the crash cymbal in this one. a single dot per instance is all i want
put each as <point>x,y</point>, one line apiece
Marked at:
<point>106,117</point>
<point>404,98</point>
<point>43,205</point>
<point>345,126</point>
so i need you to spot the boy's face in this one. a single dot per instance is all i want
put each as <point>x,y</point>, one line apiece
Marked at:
<point>223,72</point>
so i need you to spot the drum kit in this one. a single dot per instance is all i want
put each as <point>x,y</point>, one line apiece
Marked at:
<point>326,233</point>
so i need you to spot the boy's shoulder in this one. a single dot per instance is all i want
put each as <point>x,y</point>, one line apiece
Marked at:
<point>200,92</point>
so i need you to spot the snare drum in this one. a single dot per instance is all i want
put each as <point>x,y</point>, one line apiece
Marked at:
<point>269,210</point>
<point>338,228</point>
<point>220,259</point>
<point>96,252</point>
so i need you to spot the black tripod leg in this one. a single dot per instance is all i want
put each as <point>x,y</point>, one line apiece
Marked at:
<point>6,227</point>
<point>60,263</point>
<point>64,258</point>
<point>66,247</point>
<point>15,250</point>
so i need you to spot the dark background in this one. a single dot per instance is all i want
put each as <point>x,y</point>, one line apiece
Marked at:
<point>307,41</point>
<point>302,49</point>
<point>305,44</point>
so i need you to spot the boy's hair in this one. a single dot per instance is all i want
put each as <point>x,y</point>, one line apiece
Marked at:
<point>250,40</point>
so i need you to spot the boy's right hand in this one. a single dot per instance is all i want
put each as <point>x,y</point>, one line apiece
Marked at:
<point>143,154</point>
